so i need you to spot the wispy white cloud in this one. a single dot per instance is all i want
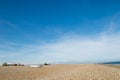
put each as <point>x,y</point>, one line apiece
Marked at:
<point>87,50</point>
<point>8,23</point>
<point>14,28</point>
<point>74,48</point>
<point>114,23</point>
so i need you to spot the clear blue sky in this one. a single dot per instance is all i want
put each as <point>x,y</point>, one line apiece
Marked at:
<point>56,30</point>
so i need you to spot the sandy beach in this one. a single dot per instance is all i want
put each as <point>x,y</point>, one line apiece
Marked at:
<point>61,72</point>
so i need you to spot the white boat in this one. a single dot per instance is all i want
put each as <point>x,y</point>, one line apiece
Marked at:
<point>37,66</point>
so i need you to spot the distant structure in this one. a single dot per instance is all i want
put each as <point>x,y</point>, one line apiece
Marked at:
<point>12,64</point>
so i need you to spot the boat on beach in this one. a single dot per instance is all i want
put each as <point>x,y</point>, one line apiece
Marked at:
<point>37,66</point>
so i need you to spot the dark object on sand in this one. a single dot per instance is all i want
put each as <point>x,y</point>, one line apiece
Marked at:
<point>5,64</point>
<point>46,64</point>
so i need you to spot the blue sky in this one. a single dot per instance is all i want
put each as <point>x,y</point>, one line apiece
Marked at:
<point>59,31</point>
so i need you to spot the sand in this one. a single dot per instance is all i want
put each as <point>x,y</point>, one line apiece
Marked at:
<point>61,72</point>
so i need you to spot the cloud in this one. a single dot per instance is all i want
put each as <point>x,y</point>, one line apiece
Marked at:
<point>18,28</point>
<point>8,23</point>
<point>73,48</point>
<point>114,23</point>
<point>70,48</point>
<point>102,48</point>
<point>2,57</point>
